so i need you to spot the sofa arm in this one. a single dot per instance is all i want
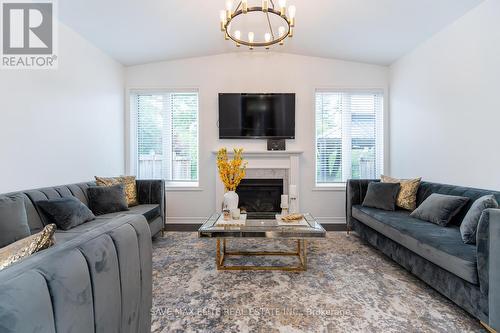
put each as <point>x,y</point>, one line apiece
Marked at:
<point>355,194</point>
<point>152,191</point>
<point>488,266</point>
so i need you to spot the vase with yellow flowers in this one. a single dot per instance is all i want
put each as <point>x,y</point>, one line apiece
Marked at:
<point>231,172</point>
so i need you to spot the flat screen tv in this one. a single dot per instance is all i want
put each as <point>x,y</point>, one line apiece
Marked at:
<point>257,116</point>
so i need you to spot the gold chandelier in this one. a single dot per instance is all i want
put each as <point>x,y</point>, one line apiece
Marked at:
<point>286,15</point>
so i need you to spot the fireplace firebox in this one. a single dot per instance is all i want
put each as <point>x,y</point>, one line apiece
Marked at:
<point>261,198</point>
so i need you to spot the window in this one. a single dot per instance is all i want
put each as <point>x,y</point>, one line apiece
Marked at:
<point>349,136</point>
<point>166,140</point>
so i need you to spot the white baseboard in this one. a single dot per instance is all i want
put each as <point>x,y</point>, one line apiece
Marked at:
<point>185,220</point>
<point>331,220</point>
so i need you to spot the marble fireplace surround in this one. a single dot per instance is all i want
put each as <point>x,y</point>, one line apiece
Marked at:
<point>267,164</point>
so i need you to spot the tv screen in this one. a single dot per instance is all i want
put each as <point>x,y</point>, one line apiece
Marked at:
<point>256,116</point>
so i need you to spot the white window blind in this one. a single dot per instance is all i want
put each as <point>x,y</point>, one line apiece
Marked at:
<point>349,136</point>
<point>167,136</point>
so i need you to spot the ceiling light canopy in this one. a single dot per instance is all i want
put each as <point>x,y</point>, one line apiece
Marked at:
<point>270,25</point>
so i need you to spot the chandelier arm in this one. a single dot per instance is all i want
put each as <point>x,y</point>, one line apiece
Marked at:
<point>272,3</point>
<point>270,26</point>
<point>238,7</point>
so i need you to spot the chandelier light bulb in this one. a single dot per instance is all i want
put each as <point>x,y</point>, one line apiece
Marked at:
<point>229,8</point>
<point>291,12</point>
<point>244,6</point>
<point>222,19</point>
<point>265,5</point>
<point>281,31</point>
<point>267,38</point>
<point>282,4</point>
<point>237,35</point>
<point>250,39</point>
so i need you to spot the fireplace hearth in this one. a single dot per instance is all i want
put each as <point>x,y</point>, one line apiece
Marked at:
<point>261,198</point>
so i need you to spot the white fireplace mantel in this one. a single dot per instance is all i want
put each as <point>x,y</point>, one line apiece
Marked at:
<point>280,159</point>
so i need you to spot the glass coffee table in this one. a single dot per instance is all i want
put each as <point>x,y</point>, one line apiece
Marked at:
<point>271,229</point>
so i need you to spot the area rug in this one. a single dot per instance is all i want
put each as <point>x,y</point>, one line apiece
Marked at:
<point>348,287</point>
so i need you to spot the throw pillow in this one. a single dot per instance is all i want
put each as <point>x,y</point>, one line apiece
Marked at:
<point>407,197</point>
<point>66,213</point>
<point>27,246</point>
<point>381,195</point>
<point>107,199</point>
<point>13,220</point>
<point>130,186</point>
<point>439,208</point>
<point>469,224</point>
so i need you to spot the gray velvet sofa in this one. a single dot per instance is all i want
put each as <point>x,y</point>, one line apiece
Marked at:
<point>469,275</point>
<point>96,278</point>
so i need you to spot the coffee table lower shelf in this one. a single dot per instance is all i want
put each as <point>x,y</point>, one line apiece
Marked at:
<point>223,253</point>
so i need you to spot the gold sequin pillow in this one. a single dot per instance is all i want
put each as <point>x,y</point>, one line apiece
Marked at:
<point>407,197</point>
<point>27,246</point>
<point>130,187</point>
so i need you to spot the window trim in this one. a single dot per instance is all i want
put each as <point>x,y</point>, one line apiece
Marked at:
<point>131,133</point>
<point>339,186</point>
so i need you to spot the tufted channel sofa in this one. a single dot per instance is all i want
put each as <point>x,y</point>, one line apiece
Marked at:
<point>469,275</point>
<point>96,278</point>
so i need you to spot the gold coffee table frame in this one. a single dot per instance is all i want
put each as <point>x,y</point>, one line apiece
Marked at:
<point>300,253</point>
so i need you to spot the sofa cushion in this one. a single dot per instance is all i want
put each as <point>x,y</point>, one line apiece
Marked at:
<point>468,227</point>
<point>440,208</point>
<point>13,220</point>
<point>150,212</point>
<point>381,195</point>
<point>66,213</point>
<point>27,246</point>
<point>107,199</point>
<point>442,246</point>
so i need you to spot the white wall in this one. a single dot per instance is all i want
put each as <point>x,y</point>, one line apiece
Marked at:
<point>65,125</point>
<point>255,72</point>
<point>445,105</point>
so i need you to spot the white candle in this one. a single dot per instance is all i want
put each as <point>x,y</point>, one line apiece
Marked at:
<point>284,199</point>
<point>293,191</point>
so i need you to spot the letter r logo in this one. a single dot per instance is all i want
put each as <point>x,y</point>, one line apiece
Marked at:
<point>27,28</point>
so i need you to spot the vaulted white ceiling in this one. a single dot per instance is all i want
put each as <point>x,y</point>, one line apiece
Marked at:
<point>372,31</point>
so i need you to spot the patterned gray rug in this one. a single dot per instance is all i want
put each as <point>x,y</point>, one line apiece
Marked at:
<point>348,287</point>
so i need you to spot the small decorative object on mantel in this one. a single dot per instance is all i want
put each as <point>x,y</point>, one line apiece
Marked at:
<point>231,172</point>
<point>284,205</point>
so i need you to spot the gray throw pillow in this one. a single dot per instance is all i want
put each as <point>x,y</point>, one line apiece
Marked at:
<point>381,195</point>
<point>107,199</point>
<point>13,220</point>
<point>439,208</point>
<point>469,224</point>
<point>66,213</point>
